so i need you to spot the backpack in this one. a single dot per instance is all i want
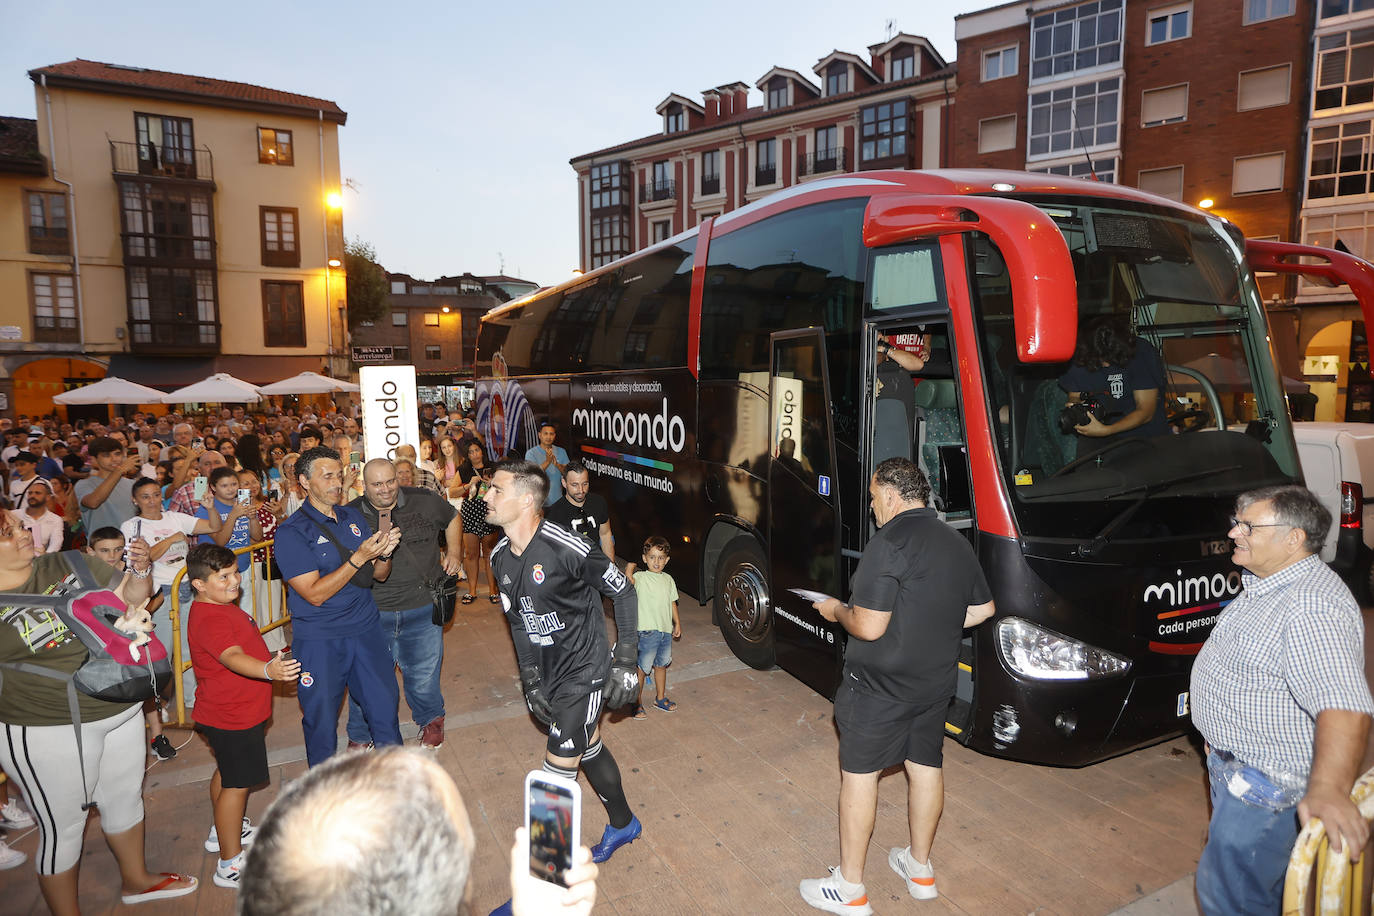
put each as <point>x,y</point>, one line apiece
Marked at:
<point>110,671</point>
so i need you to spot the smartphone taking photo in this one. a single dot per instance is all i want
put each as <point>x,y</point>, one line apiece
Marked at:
<point>553,818</point>
<point>202,486</point>
<point>245,496</point>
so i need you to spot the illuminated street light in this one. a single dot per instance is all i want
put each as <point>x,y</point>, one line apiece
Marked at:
<point>1206,203</point>
<point>334,200</point>
<point>335,262</point>
<point>445,310</point>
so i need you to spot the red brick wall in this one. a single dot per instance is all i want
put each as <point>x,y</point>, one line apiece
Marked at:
<point>976,100</point>
<point>1215,133</point>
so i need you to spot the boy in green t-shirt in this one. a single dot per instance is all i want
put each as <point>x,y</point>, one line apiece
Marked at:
<point>658,621</point>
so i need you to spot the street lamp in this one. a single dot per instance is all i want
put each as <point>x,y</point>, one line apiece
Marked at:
<point>1206,203</point>
<point>334,200</point>
<point>445,310</point>
<point>335,263</point>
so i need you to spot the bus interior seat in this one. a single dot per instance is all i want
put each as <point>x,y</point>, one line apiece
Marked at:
<point>1046,447</point>
<point>942,445</point>
<point>891,429</point>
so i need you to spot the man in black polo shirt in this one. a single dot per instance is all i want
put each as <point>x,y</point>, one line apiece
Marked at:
<point>915,590</point>
<point>581,511</point>
<point>404,599</point>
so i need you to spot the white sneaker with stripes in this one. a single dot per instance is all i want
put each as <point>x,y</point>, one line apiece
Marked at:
<point>829,894</point>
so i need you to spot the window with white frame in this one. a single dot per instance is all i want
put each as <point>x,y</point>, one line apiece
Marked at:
<point>1264,88</point>
<point>997,134</point>
<point>777,93</point>
<point>1074,117</point>
<point>609,185</point>
<point>674,120</point>
<point>1345,69</point>
<point>1340,161</point>
<point>398,287</point>
<point>836,79</point>
<point>1097,169</point>
<point>1076,38</point>
<point>1255,174</point>
<point>766,162</point>
<point>662,228</point>
<point>1170,23</point>
<point>1330,9</point>
<point>1166,182</point>
<point>399,318</point>
<point>610,239</point>
<point>999,63</point>
<point>1353,229</point>
<point>903,65</point>
<point>54,307</point>
<point>1261,10</point>
<point>1164,106</point>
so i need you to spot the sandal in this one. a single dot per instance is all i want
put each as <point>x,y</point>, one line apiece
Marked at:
<point>665,704</point>
<point>468,599</point>
<point>161,891</point>
<point>639,712</point>
<point>494,599</point>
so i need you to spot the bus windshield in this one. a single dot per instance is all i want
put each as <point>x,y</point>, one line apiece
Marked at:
<point>1171,399</point>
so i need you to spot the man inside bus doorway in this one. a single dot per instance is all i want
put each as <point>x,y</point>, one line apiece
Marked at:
<point>916,589</point>
<point>1279,694</point>
<point>1122,377</point>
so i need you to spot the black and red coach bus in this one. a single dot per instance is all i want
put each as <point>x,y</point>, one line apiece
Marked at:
<point>721,386</point>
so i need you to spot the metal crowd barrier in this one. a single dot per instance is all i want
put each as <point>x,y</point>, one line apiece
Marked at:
<point>264,598</point>
<point>1341,888</point>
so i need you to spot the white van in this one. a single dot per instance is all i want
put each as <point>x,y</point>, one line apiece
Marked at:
<point>1338,464</point>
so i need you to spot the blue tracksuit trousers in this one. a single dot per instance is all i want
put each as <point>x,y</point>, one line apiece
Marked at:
<point>359,663</point>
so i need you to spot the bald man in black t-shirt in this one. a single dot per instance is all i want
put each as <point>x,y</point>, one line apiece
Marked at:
<point>916,589</point>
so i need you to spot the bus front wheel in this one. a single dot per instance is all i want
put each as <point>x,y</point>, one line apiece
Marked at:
<point>743,608</point>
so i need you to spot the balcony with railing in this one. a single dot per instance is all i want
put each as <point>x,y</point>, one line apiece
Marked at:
<point>146,159</point>
<point>765,175</point>
<point>653,191</point>
<point>823,161</point>
<point>710,184</point>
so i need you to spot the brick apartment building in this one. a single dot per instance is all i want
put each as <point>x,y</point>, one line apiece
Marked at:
<point>433,325</point>
<point>888,110</point>
<point>1194,101</point>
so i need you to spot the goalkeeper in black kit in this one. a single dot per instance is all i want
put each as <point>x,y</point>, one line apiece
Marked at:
<point>551,583</point>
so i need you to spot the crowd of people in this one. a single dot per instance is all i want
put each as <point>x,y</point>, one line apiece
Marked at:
<point>166,509</point>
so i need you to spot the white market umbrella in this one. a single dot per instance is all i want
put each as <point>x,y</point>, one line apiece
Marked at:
<point>110,390</point>
<point>308,383</point>
<point>220,388</point>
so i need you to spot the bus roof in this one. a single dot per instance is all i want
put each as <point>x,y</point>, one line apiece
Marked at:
<point>954,182</point>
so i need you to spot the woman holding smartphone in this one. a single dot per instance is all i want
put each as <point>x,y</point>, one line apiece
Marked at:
<point>478,536</point>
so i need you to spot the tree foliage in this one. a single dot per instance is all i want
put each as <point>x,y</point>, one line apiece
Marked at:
<point>369,294</point>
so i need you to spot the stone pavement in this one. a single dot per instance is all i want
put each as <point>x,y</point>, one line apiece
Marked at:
<point>737,791</point>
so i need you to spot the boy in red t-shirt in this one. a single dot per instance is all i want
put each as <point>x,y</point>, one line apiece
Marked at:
<point>233,700</point>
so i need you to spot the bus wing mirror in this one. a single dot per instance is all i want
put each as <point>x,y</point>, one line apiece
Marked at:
<point>1043,287</point>
<point>1332,267</point>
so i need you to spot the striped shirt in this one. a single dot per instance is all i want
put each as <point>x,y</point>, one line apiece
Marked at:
<point>1289,646</point>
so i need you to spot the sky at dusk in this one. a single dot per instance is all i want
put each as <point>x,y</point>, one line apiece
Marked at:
<point>462,117</point>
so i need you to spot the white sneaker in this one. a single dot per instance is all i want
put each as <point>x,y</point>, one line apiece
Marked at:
<point>10,858</point>
<point>227,873</point>
<point>826,894</point>
<point>920,879</point>
<point>246,838</point>
<point>14,817</point>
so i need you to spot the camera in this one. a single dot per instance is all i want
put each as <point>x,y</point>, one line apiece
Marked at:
<point>1077,414</point>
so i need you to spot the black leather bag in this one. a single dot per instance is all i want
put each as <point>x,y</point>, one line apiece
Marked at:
<point>444,591</point>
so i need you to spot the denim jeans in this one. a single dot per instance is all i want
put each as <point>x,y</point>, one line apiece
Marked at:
<point>417,647</point>
<point>1251,835</point>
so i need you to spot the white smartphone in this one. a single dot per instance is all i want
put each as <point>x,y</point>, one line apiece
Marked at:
<point>245,496</point>
<point>202,486</point>
<point>553,819</point>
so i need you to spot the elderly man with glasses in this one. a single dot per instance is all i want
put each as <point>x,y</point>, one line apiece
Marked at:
<point>1280,696</point>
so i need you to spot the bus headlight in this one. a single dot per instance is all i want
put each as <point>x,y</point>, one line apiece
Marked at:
<point>1035,652</point>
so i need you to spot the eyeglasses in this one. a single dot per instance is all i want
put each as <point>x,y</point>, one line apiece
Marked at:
<point>1248,528</point>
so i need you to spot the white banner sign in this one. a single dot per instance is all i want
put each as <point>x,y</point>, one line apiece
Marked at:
<point>390,410</point>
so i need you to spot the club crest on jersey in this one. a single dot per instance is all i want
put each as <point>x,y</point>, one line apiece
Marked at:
<point>353,526</point>
<point>307,680</point>
<point>538,574</point>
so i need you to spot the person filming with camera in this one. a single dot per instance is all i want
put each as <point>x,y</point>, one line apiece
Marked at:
<point>1115,385</point>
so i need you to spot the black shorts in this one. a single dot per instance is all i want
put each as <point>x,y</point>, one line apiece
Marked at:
<point>574,722</point>
<point>878,731</point>
<point>240,754</point>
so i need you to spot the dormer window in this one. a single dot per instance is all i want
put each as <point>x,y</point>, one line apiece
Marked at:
<point>903,65</point>
<point>777,92</point>
<point>675,120</point>
<point>836,79</point>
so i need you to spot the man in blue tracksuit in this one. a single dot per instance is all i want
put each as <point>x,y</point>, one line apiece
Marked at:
<point>329,558</point>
